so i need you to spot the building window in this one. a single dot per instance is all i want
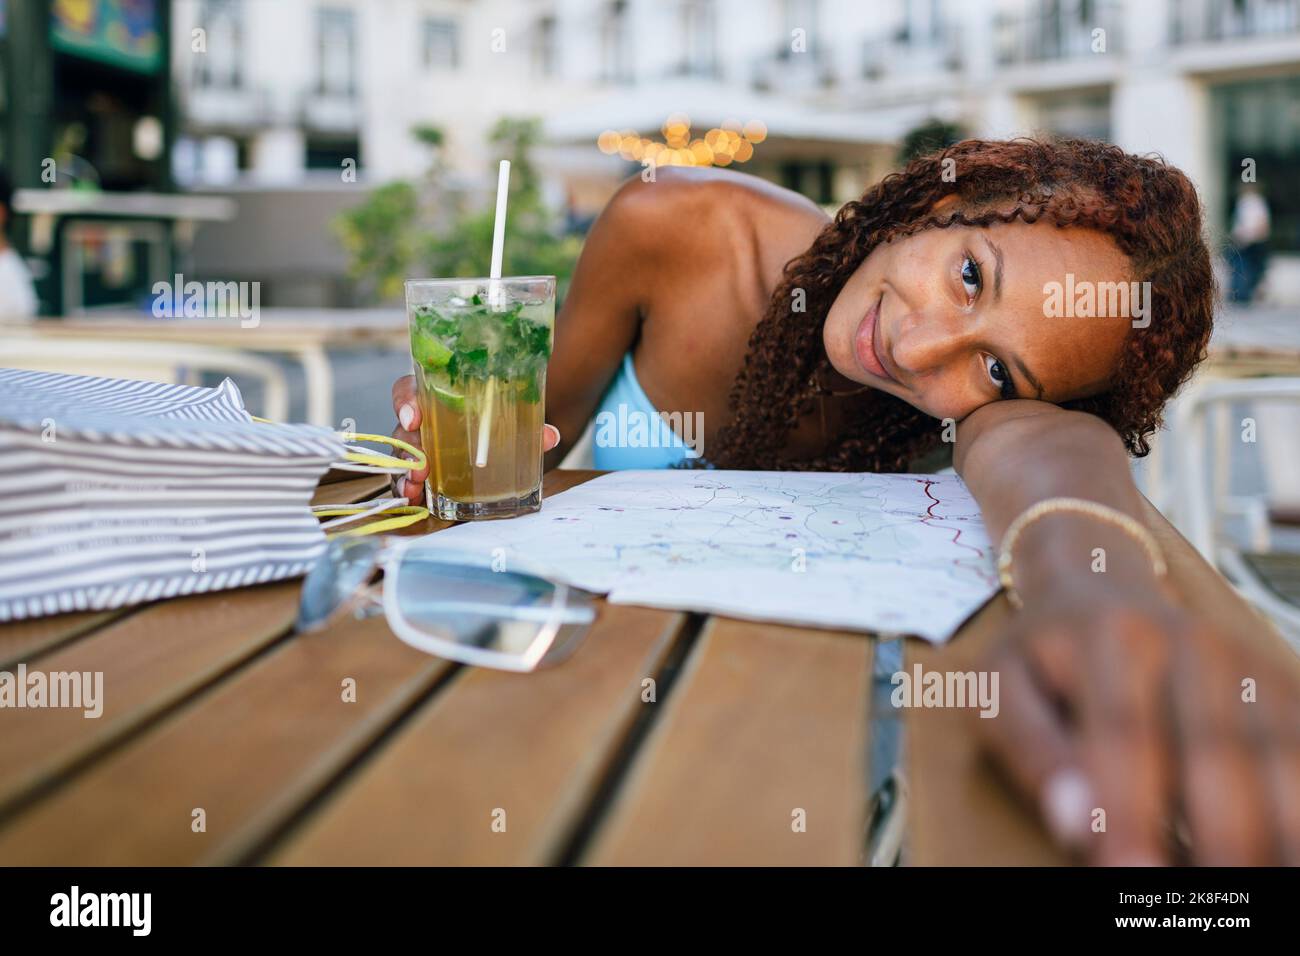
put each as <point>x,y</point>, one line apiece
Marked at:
<point>336,49</point>
<point>699,38</point>
<point>1082,115</point>
<point>544,47</point>
<point>615,44</point>
<point>329,152</point>
<point>220,65</point>
<point>441,44</point>
<point>1258,120</point>
<point>800,15</point>
<point>922,22</point>
<point>1056,30</point>
<point>1198,21</point>
<point>813,178</point>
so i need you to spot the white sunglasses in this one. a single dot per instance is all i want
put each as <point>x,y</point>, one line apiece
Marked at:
<point>448,603</point>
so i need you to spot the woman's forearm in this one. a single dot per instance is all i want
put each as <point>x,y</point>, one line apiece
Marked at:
<point>1014,454</point>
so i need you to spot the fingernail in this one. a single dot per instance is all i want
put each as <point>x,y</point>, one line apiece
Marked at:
<point>1067,802</point>
<point>555,432</point>
<point>406,415</point>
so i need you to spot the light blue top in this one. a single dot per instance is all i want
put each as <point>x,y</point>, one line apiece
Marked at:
<point>630,433</point>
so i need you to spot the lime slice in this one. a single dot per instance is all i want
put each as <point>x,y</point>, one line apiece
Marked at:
<point>430,352</point>
<point>453,401</point>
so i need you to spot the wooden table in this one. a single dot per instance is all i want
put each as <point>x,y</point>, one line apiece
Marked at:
<point>212,704</point>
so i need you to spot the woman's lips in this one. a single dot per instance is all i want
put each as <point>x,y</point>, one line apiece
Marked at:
<point>866,347</point>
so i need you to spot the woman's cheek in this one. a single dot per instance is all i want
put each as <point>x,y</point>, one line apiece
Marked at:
<point>949,404</point>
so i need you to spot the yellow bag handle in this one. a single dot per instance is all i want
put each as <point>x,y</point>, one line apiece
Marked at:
<point>374,458</point>
<point>400,516</point>
<point>386,461</point>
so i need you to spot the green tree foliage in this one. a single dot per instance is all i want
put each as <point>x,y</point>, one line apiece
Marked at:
<point>929,136</point>
<point>389,238</point>
<point>380,238</point>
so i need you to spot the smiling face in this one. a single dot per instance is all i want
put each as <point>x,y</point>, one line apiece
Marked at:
<point>952,319</point>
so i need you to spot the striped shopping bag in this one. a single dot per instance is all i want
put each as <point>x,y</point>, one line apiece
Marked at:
<point>114,492</point>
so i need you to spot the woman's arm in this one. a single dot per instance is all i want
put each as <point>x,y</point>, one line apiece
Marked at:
<point>1013,454</point>
<point>602,311</point>
<point>1123,717</point>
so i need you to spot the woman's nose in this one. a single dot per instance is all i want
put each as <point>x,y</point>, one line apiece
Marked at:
<point>927,341</point>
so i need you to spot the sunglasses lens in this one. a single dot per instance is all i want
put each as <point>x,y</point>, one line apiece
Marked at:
<point>512,619</point>
<point>336,579</point>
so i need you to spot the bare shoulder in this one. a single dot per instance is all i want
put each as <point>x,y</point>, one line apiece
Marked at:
<point>700,206</point>
<point>707,185</point>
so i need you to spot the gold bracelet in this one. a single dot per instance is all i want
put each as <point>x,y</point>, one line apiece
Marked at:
<point>1093,509</point>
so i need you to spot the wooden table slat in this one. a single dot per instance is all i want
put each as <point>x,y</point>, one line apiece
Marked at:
<point>250,754</point>
<point>763,721</point>
<point>534,746</point>
<point>23,640</point>
<point>349,490</point>
<point>151,660</point>
<point>950,785</point>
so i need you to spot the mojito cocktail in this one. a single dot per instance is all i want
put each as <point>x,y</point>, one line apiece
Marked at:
<point>480,348</point>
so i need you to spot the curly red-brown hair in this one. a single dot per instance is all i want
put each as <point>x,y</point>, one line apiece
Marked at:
<point>1149,208</point>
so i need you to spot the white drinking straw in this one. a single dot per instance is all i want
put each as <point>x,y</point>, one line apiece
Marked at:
<point>499,233</point>
<point>495,301</point>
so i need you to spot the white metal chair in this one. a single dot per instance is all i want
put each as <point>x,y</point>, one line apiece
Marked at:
<point>1205,501</point>
<point>149,361</point>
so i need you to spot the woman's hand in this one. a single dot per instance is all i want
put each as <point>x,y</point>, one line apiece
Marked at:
<point>407,409</point>
<point>1146,738</point>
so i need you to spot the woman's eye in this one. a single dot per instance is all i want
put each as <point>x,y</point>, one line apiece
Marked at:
<point>971,279</point>
<point>999,376</point>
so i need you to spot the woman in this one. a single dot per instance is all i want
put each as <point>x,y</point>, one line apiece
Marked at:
<point>1037,301</point>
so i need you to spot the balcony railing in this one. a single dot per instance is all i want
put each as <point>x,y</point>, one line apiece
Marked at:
<point>1213,21</point>
<point>232,107</point>
<point>1065,32</point>
<point>338,112</point>
<point>700,69</point>
<point>902,55</point>
<point>788,71</point>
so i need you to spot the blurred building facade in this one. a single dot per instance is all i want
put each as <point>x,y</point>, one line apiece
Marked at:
<point>278,98</point>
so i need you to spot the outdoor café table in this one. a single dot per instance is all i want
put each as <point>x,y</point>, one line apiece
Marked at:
<point>305,335</point>
<point>1255,341</point>
<point>227,738</point>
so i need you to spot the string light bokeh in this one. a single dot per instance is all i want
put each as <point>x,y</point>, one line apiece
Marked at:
<point>723,145</point>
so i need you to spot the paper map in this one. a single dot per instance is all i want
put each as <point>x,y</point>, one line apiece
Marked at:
<point>897,554</point>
